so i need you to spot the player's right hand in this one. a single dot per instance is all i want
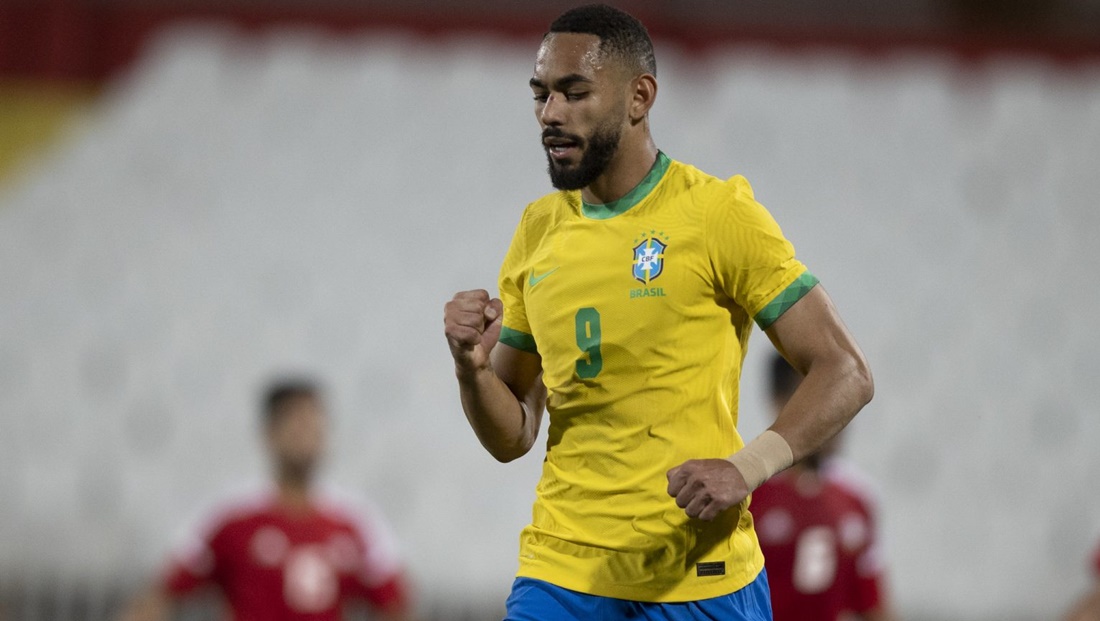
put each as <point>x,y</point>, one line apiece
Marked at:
<point>472,322</point>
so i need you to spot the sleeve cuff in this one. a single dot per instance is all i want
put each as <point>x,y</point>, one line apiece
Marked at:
<point>786,299</point>
<point>519,340</point>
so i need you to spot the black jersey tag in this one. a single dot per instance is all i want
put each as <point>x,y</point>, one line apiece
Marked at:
<point>717,568</point>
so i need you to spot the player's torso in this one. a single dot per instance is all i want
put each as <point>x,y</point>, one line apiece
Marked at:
<point>812,539</point>
<point>278,567</point>
<point>632,334</point>
<point>641,357</point>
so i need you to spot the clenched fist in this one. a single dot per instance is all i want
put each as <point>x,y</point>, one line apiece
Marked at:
<point>472,323</point>
<point>703,488</point>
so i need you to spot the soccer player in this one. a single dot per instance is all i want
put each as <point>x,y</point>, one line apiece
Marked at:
<point>1088,607</point>
<point>817,529</point>
<point>288,553</point>
<point>626,303</point>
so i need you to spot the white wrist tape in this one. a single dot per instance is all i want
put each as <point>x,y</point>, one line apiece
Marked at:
<point>766,455</point>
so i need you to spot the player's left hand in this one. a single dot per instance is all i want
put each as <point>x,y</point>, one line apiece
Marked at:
<point>703,488</point>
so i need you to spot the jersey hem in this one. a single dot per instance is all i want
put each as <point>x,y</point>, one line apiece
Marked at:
<point>639,593</point>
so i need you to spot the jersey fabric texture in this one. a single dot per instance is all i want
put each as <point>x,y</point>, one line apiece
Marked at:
<point>272,564</point>
<point>641,312</point>
<point>535,600</point>
<point>819,545</point>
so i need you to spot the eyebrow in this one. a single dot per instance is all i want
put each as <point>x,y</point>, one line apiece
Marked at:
<point>561,83</point>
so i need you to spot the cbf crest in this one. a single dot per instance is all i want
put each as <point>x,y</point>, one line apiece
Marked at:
<point>649,256</point>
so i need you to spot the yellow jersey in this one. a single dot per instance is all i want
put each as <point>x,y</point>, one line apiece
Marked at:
<point>641,312</point>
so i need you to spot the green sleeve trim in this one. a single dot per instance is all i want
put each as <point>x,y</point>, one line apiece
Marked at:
<point>519,340</point>
<point>786,299</point>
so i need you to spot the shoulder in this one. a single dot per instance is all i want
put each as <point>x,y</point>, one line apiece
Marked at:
<point>724,207</point>
<point>234,507</point>
<point>360,516</point>
<point>853,481</point>
<point>219,521</point>
<point>544,214</point>
<point>552,206</point>
<point>353,511</point>
<point>707,188</point>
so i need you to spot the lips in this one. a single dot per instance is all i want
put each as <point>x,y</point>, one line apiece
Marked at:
<point>561,152</point>
<point>560,147</point>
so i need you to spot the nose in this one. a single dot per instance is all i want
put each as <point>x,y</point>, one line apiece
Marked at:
<point>552,110</point>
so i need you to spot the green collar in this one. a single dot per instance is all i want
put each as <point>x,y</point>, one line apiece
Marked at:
<point>633,197</point>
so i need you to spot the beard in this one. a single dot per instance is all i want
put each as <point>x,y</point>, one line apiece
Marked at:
<point>599,149</point>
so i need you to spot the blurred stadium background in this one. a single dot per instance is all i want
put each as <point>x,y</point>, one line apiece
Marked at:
<point>196,194</point>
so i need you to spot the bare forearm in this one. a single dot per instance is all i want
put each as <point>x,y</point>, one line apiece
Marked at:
<point>832,393</point>
<point>501,387</point>
<point>877,614</point>
<point>152,605</point>
<point>505,427</point>
<point>1087,609</point>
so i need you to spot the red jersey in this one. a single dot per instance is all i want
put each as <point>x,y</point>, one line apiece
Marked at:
<point>276,565</point>
<point>871,566</point>
<point>819,547</point>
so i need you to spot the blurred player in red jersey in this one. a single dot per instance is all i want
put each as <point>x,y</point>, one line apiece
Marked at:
<point>816,527</point>
<point>1088,607</point>
<point>287,553</point>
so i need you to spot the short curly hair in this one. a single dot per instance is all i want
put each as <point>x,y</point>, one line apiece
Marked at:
<point>621,35</point>
<point>283,390</point>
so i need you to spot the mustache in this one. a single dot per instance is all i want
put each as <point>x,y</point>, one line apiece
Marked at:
<point>556,132</point>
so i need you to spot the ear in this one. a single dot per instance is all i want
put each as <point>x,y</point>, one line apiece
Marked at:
<point>644,93</point>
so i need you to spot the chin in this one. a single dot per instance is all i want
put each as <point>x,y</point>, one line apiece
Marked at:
<point>563,168</point>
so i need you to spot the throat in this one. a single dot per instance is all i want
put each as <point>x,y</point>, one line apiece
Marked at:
<point>294,498</point>
<point>607,198</point>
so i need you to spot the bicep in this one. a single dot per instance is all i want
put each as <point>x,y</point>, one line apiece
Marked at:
<point>812,330</point>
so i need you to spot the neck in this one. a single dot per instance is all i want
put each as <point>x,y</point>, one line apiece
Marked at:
<point>630,165</point>
<point>292,491</point>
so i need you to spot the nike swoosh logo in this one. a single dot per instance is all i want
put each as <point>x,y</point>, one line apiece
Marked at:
<point>533,279</point>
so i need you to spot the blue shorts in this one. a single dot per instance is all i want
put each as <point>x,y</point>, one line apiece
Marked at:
<point>535,600</point>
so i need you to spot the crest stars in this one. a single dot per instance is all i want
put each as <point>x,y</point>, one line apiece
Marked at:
<point>653,233</point>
